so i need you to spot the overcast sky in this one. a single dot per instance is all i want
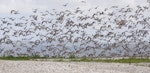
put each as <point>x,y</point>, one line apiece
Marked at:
<point>27,5</point>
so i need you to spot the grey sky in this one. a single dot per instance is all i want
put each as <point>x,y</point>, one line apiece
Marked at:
<point>27,5</point>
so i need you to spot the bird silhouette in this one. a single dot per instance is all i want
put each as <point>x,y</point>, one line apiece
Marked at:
<point>14,12</point>
<point>78,31</point>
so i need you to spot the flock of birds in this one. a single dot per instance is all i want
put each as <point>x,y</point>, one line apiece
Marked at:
<point>112,32</point>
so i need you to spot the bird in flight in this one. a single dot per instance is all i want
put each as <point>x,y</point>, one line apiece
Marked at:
<point>65,4</point>
<point>14,12</point>
<point>83,1</point>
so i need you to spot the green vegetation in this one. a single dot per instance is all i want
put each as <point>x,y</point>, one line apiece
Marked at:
<point>72,56</point>
<point>57,57</point>
<point>129,60</point>
<point>83,59</point>
<point>21,57</point>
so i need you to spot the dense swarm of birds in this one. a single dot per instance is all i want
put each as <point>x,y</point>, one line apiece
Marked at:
<point>112,32</point>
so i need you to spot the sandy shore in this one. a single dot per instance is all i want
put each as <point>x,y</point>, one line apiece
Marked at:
<point>68,67</point>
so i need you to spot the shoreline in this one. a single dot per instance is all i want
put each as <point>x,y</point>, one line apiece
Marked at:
<point>69,67</point>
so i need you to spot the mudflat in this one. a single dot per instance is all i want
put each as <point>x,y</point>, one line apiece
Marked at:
<point>69,67</point>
